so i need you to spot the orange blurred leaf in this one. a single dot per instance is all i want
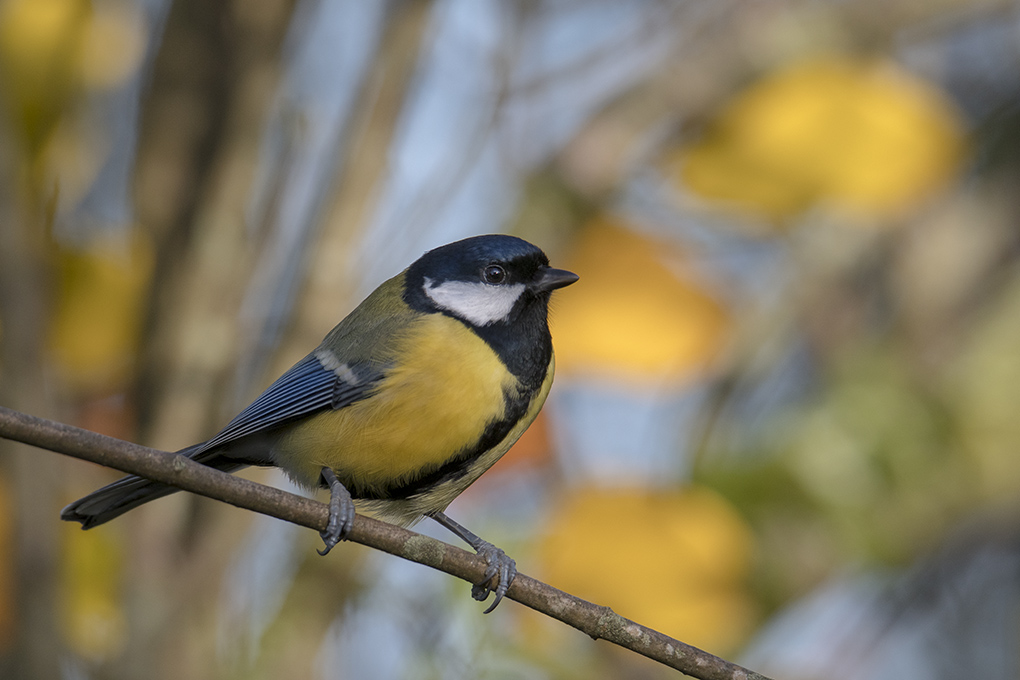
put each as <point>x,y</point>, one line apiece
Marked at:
<point>631,316</point>
<point>676,561</point>
<point>531,449</point>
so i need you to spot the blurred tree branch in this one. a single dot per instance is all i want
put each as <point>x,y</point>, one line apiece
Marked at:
<point>184,473</point>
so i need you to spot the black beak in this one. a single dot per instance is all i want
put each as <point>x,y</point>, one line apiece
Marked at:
<point>547,278</point>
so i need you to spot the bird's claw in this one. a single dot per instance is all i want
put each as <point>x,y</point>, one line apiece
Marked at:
<point>341,512</point>
<point>502,569</point>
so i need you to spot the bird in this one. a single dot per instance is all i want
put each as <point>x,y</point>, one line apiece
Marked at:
<point>405,402</point>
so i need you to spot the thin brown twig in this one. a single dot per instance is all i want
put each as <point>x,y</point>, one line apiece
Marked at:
<point>184,473</point>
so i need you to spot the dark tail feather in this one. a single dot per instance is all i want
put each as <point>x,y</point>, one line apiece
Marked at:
<point>128,493</point>
<point>114,500</point>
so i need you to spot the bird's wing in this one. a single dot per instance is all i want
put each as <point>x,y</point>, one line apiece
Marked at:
<point>308,387</point>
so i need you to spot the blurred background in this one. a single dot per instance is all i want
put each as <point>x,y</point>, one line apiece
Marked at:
<point>784,427</point>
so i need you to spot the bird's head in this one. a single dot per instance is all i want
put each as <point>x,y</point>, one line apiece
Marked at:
<point>483,280</point>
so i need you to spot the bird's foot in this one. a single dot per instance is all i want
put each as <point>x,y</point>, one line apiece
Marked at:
<point>501,571</point>
<point>341,512</point>
<point>501,568</point>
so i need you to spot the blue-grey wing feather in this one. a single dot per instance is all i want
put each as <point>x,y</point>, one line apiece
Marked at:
<point>305,389</point>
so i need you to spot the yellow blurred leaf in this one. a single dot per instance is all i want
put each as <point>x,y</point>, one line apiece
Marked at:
<point>50,50</point>
<point>113,46</point>
<point>863,135</point>
<point>38,43</point>
<point>100,310</point>
<point>91,615</point>
<point>631,316</point>
<point>35,33</point>
<point>676,561</point>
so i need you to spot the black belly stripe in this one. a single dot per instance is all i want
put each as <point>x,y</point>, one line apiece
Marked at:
<point>459,464</point>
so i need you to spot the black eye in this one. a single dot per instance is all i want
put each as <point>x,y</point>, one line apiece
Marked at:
<point>494,274</point>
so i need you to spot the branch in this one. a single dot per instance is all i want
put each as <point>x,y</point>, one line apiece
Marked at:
<point>184,473</point>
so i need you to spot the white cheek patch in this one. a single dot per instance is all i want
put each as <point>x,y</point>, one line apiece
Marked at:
<point>477,303</point>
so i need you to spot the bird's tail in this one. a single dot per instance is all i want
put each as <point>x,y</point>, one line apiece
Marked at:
<point>129,492</point>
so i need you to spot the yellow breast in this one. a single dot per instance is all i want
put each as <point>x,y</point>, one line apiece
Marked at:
<point>436,401</point>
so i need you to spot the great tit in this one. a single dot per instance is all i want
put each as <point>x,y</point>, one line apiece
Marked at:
<point>405,403</point>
